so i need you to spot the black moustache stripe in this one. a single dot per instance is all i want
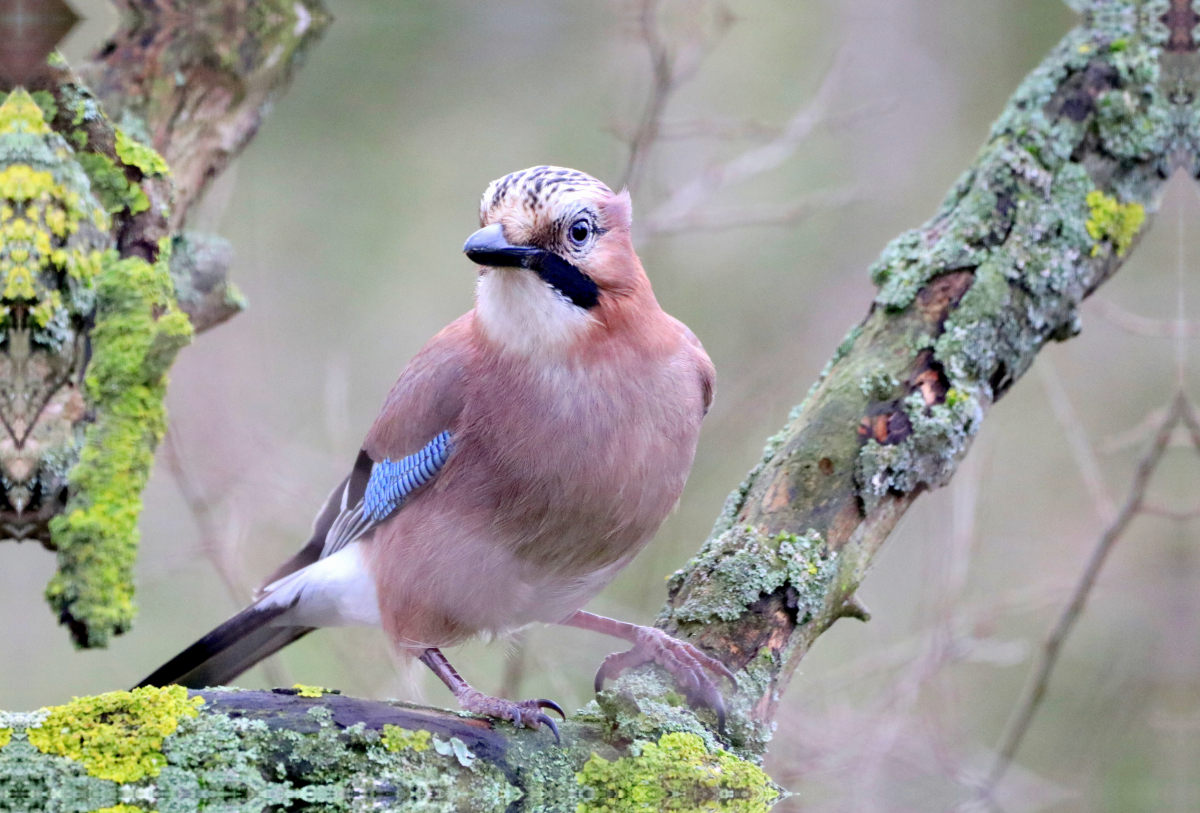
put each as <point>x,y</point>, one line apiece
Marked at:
<point>565,278</point>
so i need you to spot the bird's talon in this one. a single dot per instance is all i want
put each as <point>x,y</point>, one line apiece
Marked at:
<point>552,706</point>
<point>550,724</point>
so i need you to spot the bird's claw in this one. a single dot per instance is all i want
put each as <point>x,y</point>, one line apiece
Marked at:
<point>520,713</point>
<point>686,663</point>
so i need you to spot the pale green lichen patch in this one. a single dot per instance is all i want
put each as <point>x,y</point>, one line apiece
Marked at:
<point>1116,222</point>
<point>928,456</point>
<point>736,568</point>
<point>244,764</point>
<point>677,773</point>
<point>878,385</point>
<point>116,736</point>
<point>454,747</point>
<point>644,704</point>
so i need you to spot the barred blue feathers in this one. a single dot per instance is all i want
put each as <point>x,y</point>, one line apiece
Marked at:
<point>391,482</point>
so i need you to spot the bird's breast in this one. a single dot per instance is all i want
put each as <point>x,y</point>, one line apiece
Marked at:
<point>579,463</point>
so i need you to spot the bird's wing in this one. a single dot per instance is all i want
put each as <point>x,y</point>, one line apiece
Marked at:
<point>410,441</point>
<point>706,373</point>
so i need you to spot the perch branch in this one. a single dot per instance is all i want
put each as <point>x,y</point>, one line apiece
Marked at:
<point>1048,211</point>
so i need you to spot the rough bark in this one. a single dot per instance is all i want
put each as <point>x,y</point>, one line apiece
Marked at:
<point>1048,211</point>
<point>82,370</point>
<point>195,80</point>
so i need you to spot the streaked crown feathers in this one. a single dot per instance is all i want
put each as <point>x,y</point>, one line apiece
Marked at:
<point>539,190</point>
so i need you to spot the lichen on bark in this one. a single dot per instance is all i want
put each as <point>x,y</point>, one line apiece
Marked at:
<point>1053,204</point>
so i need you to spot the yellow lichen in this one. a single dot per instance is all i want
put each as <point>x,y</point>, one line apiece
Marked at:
<point>135,154</point>
<point>309,691</point>
<point>677,773</point>
<point>21,114</point>
<point>37,218</point>
<point>139,329</point>
<point>118,735</point>
<point>396,738</point>
<point>5,736</point>
<point>1117,222</point>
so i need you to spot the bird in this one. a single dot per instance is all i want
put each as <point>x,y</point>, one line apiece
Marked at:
<point>524,456</point>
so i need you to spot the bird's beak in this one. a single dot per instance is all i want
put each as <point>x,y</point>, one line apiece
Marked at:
<point>488,247</point>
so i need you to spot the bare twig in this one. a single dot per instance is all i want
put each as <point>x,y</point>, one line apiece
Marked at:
<point>219,546</point>
<point>1135,435</point>
<point>759,215</point>
<point>750,163</point>
<point>1036,690</point>
<point>1166,511</point>
<point>1081,448</point>
<point>668,73</point>
<point>1139,325</point>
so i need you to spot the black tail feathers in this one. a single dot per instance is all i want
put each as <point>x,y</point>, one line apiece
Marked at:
<point>229,650</point>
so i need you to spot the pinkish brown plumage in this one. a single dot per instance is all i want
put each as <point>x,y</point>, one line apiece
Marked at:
<point>571,405</point>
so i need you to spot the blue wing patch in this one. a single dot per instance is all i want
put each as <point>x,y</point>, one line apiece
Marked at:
<point>391,483</point>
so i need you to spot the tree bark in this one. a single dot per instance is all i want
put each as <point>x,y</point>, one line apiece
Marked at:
<point>195,80</point>
<point>1049,210</point>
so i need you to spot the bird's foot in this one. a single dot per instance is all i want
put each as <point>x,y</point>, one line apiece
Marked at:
<point>520,713</point>
<point>688,665</point>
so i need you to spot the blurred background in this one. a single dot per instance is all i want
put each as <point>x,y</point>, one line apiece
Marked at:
<point>348,211</point>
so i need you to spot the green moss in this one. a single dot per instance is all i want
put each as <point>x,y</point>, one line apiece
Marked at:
<point>396,738</point>
<point>677,773</point>
<point>1116,222</point>
<point>116,736</point>
<point>111,186</point>
<point>45,101</point>
<point>135,154</point>
<point>138,331</point>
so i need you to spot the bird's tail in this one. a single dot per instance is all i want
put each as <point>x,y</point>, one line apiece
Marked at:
<point>229,650</point>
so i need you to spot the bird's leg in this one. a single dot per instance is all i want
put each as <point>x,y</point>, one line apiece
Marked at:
<point>521,713</point>
<point>687,664</point>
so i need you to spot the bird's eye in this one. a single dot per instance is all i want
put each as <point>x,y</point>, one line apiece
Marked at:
<point>581,230</point>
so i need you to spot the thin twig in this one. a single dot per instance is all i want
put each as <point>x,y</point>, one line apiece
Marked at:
<point>755,161</point>
<point>1138,325</point>
<point>668,73</point>
<point>217,545</point>
<point>1166,511</point>
<point>760,215</point>
<point>1081,448</point>
<point>1036,689</point>
<point>1135,435</point>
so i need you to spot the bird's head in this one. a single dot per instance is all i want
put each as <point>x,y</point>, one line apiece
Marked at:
<point>555,257</point>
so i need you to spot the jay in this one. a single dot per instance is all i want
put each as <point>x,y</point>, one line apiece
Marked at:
<point>524,456</point>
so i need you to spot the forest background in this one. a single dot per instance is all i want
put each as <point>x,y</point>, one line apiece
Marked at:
<point>347,213</point>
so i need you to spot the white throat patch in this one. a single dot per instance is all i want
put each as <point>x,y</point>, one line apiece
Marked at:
<point>522,314</point>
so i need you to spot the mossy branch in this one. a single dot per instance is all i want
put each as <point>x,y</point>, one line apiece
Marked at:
<point>1049,210</point>
<point>196,80</point>
<point>93,263</point>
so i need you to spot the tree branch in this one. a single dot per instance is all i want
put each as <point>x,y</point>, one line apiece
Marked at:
<point>1048,211</point>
